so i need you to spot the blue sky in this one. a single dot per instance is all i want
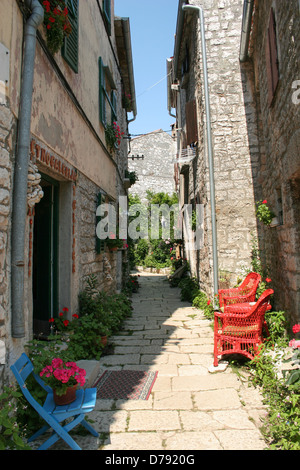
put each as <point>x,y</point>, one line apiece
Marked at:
<point>152,25</point>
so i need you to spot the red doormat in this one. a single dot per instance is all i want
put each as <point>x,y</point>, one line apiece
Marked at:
<point>125,384</point>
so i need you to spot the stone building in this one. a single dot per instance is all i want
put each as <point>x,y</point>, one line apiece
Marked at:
<point>54,110</point>
<point>215,141</point>
<point>270,61</point>
<point>151,156</point>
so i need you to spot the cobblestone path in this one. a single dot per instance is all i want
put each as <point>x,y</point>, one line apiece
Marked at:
<point>189,408</point>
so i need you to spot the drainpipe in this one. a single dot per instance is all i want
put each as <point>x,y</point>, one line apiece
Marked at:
<point>246,28</point>
<point>169,79</point>
<point>194,8</point>
<point>127,38</point>
<point>19,211</point>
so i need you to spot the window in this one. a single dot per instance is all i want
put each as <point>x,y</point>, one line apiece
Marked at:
<point>70,47</point>
<point>272,58</point>
<point>107,15</point>
<point>107,95</point>
<point>191,122</point>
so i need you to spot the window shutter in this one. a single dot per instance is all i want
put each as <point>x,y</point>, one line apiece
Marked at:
<point>107,14</point>
<point>70,47</point>
<point>272,58</point>
<point>100,244</point>
<point>102,106</point>
<point>191,122</point>
<point>114,106</point>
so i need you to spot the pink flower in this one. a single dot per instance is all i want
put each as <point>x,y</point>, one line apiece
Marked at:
<point>208,302</point>
<point>264,201</point>
<point>294,344</point>
<point>57,362</point>
<point>268,279</point>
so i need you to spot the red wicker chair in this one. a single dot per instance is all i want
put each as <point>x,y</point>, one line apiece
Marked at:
<point>246,292</point>
<point>245,308</point>
<point>240,332</point>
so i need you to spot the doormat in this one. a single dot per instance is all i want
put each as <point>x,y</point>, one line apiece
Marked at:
<point>125,384</point>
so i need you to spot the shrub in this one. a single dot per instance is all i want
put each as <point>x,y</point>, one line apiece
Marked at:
<point>189,288</point>
<point>11,433</point>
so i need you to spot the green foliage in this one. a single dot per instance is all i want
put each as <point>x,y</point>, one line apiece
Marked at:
<point>277,326</point>
<point>57,23</point>
<point>263,213</point>
<point>189,289</point>
<point>132,176</point>
<point>11,433</point>
<point>202,302</point>
<point>282,424</point>
<point>152,252</point>
<point>100,314</point>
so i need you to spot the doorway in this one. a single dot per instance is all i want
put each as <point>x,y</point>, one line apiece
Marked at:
<point>45,258</point>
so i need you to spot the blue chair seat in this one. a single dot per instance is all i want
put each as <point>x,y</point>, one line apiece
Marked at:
<point>51,413</point>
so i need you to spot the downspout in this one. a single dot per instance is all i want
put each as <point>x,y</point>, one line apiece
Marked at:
<point>127,37</point>
<point>246,28</point>
<point>169,81</point>
<point>209,145</point>
<point>19,211</point>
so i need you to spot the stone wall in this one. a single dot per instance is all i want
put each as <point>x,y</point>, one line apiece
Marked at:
<point>234,161</point>
<point>278,176</point>
<point>7,136</point>
<point>156,171</point>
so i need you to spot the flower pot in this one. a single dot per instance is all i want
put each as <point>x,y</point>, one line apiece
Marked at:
<point>67,398</point>
<point>113,248</point>
<point>103,340</point>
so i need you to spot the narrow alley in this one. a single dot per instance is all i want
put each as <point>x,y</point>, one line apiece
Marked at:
<point>189,408</point>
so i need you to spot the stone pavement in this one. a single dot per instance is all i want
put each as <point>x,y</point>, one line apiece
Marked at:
<point>189,408</point>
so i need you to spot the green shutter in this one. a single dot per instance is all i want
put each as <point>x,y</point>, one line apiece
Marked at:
<point>70,47</point>
<point>100,244</point>
<point>113,106</point>
<point>107,14</point>
<point>102,105</point>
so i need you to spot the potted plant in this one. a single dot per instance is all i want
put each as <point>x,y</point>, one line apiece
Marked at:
<point>113,242</point>
<point>113,135</point>
<point>63,378</point>
<point>126,101</point>
<point>130,178</point>
<point>263,213</point>
<point>57,23</point>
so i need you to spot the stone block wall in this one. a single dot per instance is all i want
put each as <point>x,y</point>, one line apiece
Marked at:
<point>156,171</point>
<point>278,177</point>
<point>7,137</point>
<point>234,161</point>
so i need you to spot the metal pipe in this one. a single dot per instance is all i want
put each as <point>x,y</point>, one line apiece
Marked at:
<point>209,144</point>
<point>246,28</point>
<point>127,37</point>
<point>19,211</point>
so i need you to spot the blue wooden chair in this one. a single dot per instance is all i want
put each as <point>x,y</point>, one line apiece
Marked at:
<point>50,412</point>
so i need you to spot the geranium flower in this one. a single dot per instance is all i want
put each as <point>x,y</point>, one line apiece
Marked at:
<point>268,279</point>
<point>296,328</point>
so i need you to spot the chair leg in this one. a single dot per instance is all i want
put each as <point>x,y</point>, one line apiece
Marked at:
<point>62,432</point>
<point>39,433</point>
